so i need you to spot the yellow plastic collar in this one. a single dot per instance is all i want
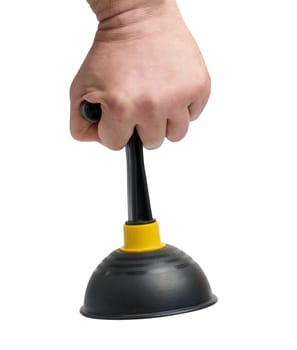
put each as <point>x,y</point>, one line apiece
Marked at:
<point>142,238</point>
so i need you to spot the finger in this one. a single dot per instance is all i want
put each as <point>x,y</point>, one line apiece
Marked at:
<point>198,104</point>
<point>177,126</point>
<point>152,132</point>
<point>81,129</point>
<point>115,130</point>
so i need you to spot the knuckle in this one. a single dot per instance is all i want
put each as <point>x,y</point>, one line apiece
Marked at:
<point>151,140</point>
<point>177,132</point>
<point>148,102</point>
<point>118,104</point>
<point>152,144</point>
<point>175,137</point>
<point>112,143</point>
<point>172,137</point>
<point>202,85</point>
<point>114,147</point>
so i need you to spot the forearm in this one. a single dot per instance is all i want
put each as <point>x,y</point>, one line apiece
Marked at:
<point>105,9</point>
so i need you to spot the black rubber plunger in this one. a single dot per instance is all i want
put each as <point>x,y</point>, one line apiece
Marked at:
<point>145,278</point>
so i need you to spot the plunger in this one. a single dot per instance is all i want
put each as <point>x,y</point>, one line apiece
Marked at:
<point>145,278</point>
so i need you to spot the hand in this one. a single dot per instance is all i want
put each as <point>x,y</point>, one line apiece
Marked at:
<point>147,72</point>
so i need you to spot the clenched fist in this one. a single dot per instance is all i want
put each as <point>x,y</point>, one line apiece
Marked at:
<point>146,71</point>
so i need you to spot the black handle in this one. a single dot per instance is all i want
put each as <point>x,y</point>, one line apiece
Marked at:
<point>139,207</point>
<point>91,112</point>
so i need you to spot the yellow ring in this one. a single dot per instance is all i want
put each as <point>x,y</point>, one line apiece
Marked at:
<point>142,238</point>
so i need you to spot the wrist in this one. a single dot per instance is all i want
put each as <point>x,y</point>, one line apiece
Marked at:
<point>122,12</point>
<point>105,9</point>
<point>121,19</point>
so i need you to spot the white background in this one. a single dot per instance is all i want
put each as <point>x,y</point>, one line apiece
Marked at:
<point>226,194</point>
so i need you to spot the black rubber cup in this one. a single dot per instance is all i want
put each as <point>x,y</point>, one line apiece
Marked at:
<point>144,285</point>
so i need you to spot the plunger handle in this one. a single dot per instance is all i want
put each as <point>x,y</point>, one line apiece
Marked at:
<point>139,208</point>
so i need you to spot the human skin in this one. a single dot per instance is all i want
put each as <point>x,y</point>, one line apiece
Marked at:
<point>146,71</point>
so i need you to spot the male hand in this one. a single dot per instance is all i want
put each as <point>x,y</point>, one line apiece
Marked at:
<point>146,71</point>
